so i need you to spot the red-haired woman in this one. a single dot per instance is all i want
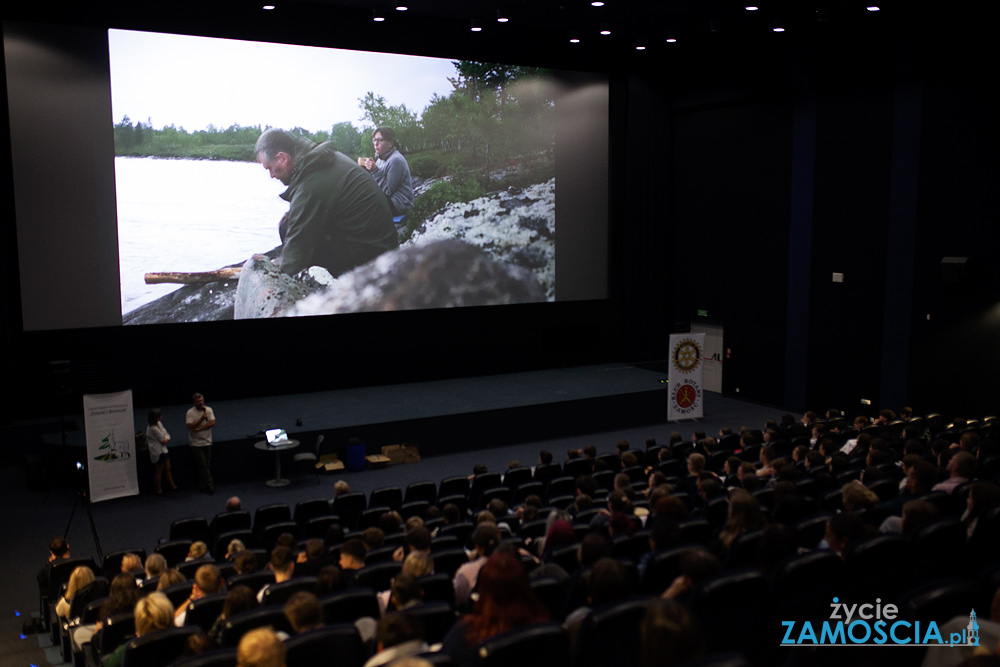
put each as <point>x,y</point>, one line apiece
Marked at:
<point>506,601</point>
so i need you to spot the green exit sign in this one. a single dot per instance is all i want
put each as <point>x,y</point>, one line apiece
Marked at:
<point>702,313</point>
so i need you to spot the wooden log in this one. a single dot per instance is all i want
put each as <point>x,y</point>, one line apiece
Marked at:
<point>193,278</point>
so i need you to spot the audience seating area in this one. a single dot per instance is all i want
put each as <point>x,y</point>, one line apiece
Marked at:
<point>754,574</point>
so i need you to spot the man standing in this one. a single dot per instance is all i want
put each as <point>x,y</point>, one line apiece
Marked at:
<point>200,420</point>
<point>391,171</point>
<point>338,218</point>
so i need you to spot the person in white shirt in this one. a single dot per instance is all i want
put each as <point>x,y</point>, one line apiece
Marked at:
<point>200,419</point>
<point>156,440</point>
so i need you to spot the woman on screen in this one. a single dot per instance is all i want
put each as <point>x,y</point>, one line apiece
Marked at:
<point>157,439</point>
<point>391,171</point>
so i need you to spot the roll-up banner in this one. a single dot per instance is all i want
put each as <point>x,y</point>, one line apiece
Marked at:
<point>687,351</point>
<point>110,430</point>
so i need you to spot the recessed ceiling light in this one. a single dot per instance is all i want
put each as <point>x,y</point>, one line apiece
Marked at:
<point>751,8</point>
<point>268,7</point>
<point>873,8</point>
<point>502,17</point>
<point>401,8</point>
<point>377,16</point>
<point>605,29</point>
<point>597,3</point>
<point>475,27</point>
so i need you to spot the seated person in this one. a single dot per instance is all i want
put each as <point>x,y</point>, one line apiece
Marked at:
<point>316,558</point>
<point>303,612</point>
<point>121,598</point>
<point>261,648</point>
<point>283,565</point>
<point>207,581</point>
<point>156,565</point>
<point>58,549</point>
<point>391,171</point>
<point>417,564</point>
<point>398,637</point>
<point>239,599</point>
<point>81,577</point>
<point>352,559</point>
<point>153,612</point>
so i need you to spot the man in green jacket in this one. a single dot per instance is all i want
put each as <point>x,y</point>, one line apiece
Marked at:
<point>338,217</point>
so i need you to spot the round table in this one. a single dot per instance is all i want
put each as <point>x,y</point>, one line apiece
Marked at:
<point>277,448</point>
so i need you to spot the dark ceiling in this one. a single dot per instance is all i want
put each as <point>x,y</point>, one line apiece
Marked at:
<point>538,31</point>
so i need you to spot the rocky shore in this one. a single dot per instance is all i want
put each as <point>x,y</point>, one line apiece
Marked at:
<point>499,248</point>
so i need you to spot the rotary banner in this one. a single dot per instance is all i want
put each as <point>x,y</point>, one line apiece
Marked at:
<point>110,430</point>
<point>687,351</point>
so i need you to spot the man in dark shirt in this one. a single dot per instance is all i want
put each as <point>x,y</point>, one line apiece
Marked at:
<point>338,217</point>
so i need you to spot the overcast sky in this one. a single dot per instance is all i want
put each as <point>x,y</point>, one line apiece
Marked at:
<point>194,81</point>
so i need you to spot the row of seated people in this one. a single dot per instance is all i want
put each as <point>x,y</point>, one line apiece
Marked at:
<point>697,500</point>
<point>595,602</point>
<point>775,541</point>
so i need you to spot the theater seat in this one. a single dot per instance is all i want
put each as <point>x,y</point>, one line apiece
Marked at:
<point>537,645</point>
<point>387,496</point>
<point>174,551</point>
<point>349,605</point>
<point>308,509</point>
<point>377,576</point>
<point>609,635</point>
<point>876,567</point>
<point>278,593</point>
<point>420,491</point>
<point>338,644</point>
<point>158,648</point>
<point>224,657</point>
<point>803,585</point>
<point>268,515</point>
<point>238,625</point>
<point>436,617</point>
<point>203,612</point>
<point>252,580</point>
<point>192,528</point>
<point>738,605</point>
<point>437,586</point>
<point>939,601</point>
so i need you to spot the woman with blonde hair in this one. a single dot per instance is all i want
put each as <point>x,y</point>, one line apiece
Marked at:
<point>131,563</point>
<point>153,612</point>
<point>80,577</point>
<point>856,496</point>
<point>417,564</point>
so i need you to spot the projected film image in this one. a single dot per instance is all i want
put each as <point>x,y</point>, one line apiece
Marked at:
<point>382,181</point>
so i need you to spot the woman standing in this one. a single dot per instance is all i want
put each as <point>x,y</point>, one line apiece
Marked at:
<point>157,439</point>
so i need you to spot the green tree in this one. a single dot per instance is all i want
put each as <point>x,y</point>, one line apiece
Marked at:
<point>399,118</point>
<point>124,136</point>
<point>346,139</point>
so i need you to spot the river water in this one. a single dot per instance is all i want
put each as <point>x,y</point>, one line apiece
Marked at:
<point>190,215</point>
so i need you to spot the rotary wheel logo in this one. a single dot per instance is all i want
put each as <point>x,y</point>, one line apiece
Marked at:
<point>686,396</point>
<point>687,355</point>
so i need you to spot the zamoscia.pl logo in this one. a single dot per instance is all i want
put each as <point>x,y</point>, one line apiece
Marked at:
<point>874,624</point>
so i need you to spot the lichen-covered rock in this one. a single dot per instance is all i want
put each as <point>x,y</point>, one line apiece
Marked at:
<point>439,274</point>
<point>516,226</point>
<point>265,291</point>
<point>189,303</point>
